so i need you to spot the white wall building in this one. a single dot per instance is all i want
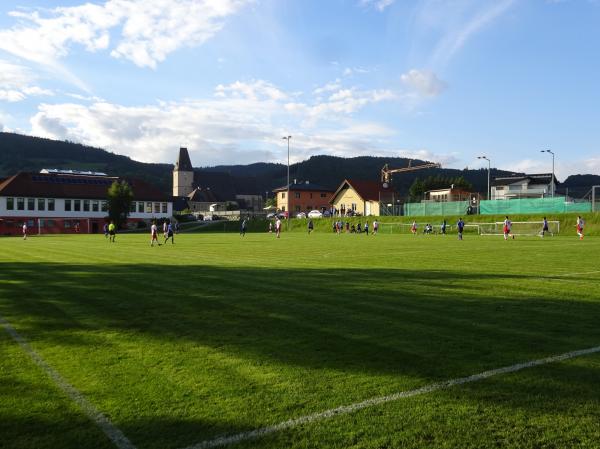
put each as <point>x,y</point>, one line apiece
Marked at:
<point>523,186</point>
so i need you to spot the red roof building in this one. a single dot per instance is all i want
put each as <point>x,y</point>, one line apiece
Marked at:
<point>54,201</point>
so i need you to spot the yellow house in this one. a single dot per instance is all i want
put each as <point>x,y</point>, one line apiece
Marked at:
<point>361,197</point>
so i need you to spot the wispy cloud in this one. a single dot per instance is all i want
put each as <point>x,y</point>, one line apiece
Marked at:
<point>379,5</point>
<point>18,83</point>
<point>451,25</point>
<point>424,82</point>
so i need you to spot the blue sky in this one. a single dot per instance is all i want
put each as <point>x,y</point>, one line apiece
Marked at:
<point>438,80</point>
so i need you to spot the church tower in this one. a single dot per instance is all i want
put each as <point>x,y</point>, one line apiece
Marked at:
<point>183,174</point>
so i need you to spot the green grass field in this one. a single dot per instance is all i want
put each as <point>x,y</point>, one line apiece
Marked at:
<point>218,335</point>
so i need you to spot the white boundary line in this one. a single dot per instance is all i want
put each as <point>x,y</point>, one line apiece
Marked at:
<point>109,429</point>
<point>550,276</point>
<point>346,409</point>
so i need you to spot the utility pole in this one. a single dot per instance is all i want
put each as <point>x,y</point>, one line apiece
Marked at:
<point>287,207</point>
<point>489,192</point>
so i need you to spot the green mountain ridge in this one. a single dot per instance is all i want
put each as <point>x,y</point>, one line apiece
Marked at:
<point>27,153</point>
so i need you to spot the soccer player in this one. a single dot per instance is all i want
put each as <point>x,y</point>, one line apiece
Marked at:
<point>170,233</point>
<point>243,228</point>
<point>460,225</point>
<point>506,228</point>
<point>154,234</point>
<point>112,232</point>
<point>413,228</point>
<point>165,229</point>
<point>311,226</point>
<point>580,225</point>
<point>443,227</point>
<point>278,227</point>
<point>544,227</point>
<point>375,227</point>
<point>105,229</point>
<point>366,228</point>
<point>24,231</point>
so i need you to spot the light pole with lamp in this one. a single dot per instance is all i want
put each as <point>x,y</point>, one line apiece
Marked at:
<point>288,183</point>
<point>552,181</point>
<point>489,192</point>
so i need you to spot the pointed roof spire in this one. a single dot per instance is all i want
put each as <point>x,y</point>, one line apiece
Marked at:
<point>183,161</point>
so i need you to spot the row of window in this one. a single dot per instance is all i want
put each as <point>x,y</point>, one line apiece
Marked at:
<point>148,207</point>
<point>298,194</point>
<point>44,204</point>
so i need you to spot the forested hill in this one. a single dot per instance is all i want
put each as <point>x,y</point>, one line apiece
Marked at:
<point>25,153</point>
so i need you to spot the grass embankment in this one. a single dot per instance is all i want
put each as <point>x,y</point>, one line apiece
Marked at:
<point>567,222</point>
<point>219,334</point>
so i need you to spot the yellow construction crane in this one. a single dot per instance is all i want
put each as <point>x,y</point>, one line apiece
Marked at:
<point>386,173</point>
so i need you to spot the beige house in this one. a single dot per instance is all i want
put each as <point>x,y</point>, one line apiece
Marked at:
<point>361,197</point>
<point>449,194</point>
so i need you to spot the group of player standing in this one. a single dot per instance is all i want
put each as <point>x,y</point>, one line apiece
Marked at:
<point>340,227</point>
<point>168,233</point>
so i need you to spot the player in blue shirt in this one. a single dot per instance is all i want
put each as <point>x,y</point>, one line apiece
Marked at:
<point>460,225</point>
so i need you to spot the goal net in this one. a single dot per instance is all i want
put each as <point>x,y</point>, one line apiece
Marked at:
<point>532,228</point>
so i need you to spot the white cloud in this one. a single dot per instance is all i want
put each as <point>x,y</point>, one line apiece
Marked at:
<point>149,29</point>
<point>243,122</point>
<point>425,82</point>
<point>379,5</point>
<point>16,83</point>
<point>563,168</point>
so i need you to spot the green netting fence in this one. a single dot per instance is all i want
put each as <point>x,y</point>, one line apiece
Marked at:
<point>435,208</point>
<point>557,205</point>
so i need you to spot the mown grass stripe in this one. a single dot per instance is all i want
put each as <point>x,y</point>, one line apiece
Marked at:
<point>109,429</point>
<point>346,409</point>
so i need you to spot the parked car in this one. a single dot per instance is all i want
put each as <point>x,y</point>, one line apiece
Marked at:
<point>315,214</point>
<point>326,213</point>
<point>301,215</point>
<point>271,215</point>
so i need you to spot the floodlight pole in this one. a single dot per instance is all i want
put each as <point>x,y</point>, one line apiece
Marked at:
<point>552,180</point>
<point>489,192</point>
<point>288,182</point>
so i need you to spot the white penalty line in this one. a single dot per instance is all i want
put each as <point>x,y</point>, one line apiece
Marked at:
<point>109,429</point>
<point>346,409</point>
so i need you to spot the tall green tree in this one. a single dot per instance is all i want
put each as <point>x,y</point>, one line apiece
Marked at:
<point>120,196</point>
<point>417,190</point>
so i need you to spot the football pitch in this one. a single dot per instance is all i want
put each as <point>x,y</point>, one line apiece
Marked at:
<point>320,341</point>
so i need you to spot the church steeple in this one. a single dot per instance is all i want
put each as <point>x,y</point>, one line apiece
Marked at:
<point>183,162</point>
<point>183,174</point>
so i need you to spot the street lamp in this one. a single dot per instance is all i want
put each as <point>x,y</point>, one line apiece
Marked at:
<point>489,192</point>
<point>552,181</point>
<point>288,182</point>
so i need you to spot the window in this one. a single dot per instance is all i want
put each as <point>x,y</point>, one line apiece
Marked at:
<point>104,206</point>
<point>157,208</point>
<point>77,205</point>
<point>323,195</point>
<point>86,205</point>
<point>133,207</point>
<point>10,204</point>
<point>283,208</point>
<point>283,195</point>
<point>30,203</point>
<point>67,205</point>
<point>95,206</point>
<point>311,195</point>
<point>51,205</point>
<point>297,195</point>
<point>500,188</point>
<point>165,208</point>
<point>67,224</point>
<point>148,208</point>
<point>41,204</point>
<point>140,207</point>
<point>297,208</point>
<point>353,206</point>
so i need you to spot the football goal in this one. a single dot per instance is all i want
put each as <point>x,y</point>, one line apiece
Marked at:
<point>519,228</point>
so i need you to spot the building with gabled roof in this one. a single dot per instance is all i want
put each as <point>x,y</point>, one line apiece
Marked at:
<point>362,197</point>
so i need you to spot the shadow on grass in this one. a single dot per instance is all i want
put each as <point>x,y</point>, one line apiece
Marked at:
<point>427,325</point>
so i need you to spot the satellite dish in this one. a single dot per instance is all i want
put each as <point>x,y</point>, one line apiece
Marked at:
<point>385,185</point>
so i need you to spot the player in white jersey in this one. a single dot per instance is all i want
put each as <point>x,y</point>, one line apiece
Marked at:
<point>580,225</point>
<point>154,234</point>
<point>278,227</point>
<point>506,228</point>
<point>24,231</point>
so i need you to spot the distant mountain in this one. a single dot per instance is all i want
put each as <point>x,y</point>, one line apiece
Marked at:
<point>26,153</point>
